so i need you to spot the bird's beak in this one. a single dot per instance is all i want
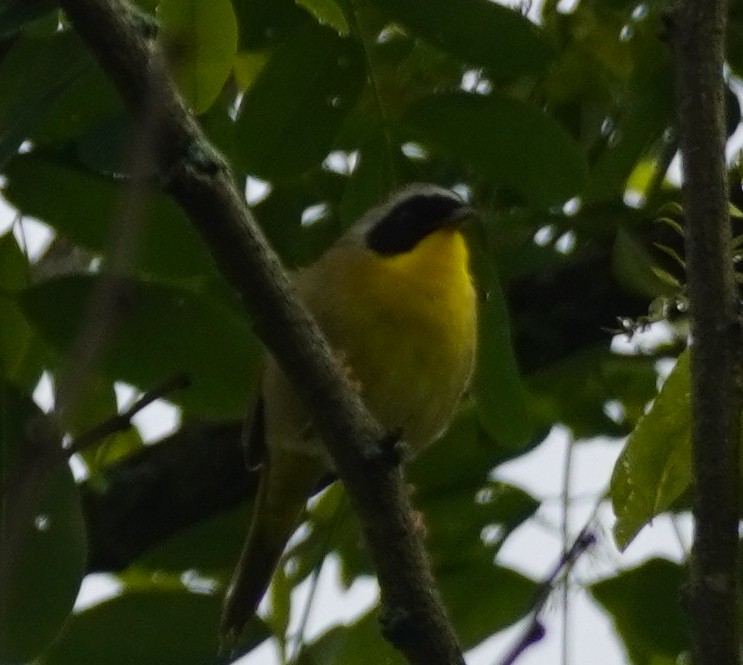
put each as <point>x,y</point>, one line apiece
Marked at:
<point>461,216</point>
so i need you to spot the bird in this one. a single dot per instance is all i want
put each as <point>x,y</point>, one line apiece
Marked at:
<point>394,296</point>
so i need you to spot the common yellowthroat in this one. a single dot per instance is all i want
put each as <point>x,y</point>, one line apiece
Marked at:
<point>395,298</point>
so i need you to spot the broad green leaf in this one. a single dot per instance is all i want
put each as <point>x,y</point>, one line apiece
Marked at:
<point>21,352</point>
<point>156,627</point>
<point>280,594</point>
<point>200,41</point>
<point>50,190</point>
<point>280,216</point>
<point>247,67</point>
<point>292,113</point>
<point>266,23</point>
<point>645,606</point>
<point>210,547</point>
<point>32,76</point>
<point>646,110</point>
<point>42,535</point>
<point>635,268</point>
<point>479,32</point>
<point>14,270</point>
<point>502,597</point>
<point>575,391</point>
<point>161,331</point>
<point>374,177</point>
<point>327,12</point>
<point>16,342</point>
<point>487,133</point>
<point>500,394</point>
<point>104,146</point>
<point>88,101</point>
<point>360,643</point>
<point>654,468</point>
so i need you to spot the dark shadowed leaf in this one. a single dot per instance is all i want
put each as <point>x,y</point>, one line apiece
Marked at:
<point>489,133</point>
<point>291,114</point>
<point>200,40</point>
<point>479,32</point>
<point>360,643</point>
<point>156,627</point>
<point>17,14</point>
<point>32,76</point>
<point>501,397</point>
<point>162,331</point>
<point>42,535</point>
<point>327,12</point>
<point>645,605</point>
<point>51,191</point>
<point>484,598</point>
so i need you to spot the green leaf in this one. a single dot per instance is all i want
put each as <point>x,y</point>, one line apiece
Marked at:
<point>575,391</point>
<point>634,267</point>
<point>647,109</point>
<point>502,597</point>
<point>376,175</point>
<point>210,546</point>
<point>21,352</point>
<point>645,606</point>
<point>359,643</point>
<point>478,32</point>
<point>14,270</point>
<point>292,113</point>
<point>148,627</point>
<point>49,190</point>
<point>500,394</point>
<point>654,468</point>
<point>96,404</point>
<point>200,40</point>
<point>327,12</point>
<point>42,535</point>
<point>487,133</point>
<point>32,76</point>
<point>17,14</point>
<point>162,331</point>
<point>89,99</point>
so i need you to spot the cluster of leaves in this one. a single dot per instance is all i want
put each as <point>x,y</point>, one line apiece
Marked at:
<point>557,128</point>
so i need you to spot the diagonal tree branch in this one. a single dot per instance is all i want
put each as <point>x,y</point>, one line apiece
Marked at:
<point>200,182</point>
<point>698,34</point>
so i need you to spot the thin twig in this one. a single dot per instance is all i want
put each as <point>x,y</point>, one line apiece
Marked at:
<point>123,421</point>
<point>115,424</point>
<point>565,529</point>
<point>535,630</point>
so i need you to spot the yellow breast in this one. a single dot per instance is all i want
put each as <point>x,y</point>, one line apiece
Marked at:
<point>407,325</point>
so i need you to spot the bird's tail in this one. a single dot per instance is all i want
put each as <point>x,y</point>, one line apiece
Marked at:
<point>287,480</point>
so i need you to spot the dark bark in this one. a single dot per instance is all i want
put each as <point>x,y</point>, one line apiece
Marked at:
<point>698,36</point>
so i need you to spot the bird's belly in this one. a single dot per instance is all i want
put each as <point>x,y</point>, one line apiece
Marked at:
<point>414,384</point>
